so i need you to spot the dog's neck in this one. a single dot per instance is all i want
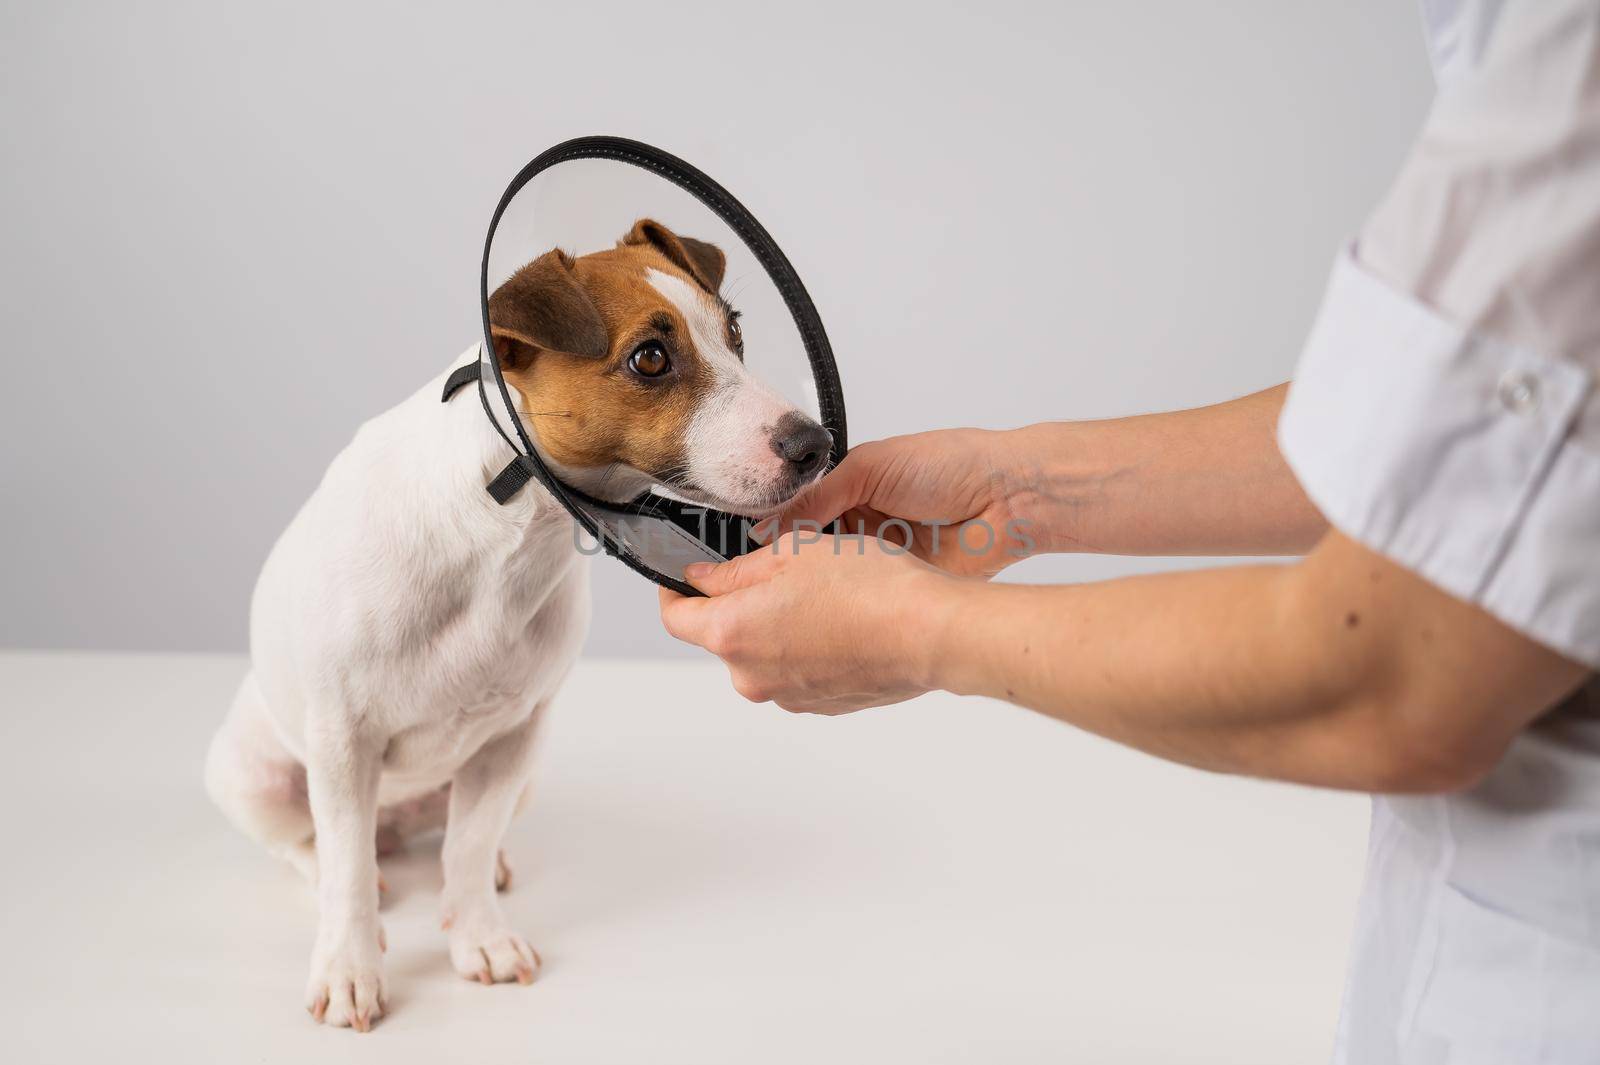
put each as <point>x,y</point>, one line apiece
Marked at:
<point>475,454</point>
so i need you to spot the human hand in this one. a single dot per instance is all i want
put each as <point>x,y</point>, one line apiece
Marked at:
<point>947,495</point>
<point>818,624</point>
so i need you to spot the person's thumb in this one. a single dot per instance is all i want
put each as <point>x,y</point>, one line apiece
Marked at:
<point>720,578</point>
<point>844,488</point>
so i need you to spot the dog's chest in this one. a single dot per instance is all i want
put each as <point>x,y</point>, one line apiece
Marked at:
<point>486,674</point>
<point>442,740</point>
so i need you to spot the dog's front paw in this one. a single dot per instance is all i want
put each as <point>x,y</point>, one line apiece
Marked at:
<point>346,987</point>
<point>491,953</point>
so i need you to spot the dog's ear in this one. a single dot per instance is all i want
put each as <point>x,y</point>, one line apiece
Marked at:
<point>701,261</point>
<point>543,306</point>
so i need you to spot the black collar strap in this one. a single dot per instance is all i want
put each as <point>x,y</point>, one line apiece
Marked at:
<point>519,471</point>
<point>459,378</point>
<point>509,481</point>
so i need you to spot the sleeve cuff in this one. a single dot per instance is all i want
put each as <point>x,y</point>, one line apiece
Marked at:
<point>1449,453</point>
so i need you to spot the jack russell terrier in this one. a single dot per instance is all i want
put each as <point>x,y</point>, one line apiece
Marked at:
<point>407,632</point>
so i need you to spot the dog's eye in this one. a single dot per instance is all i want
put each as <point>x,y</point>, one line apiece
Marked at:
<point>735,334</point>
<point>649,360</point>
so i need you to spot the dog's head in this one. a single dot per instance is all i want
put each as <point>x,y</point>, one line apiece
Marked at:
<point>629,367</point>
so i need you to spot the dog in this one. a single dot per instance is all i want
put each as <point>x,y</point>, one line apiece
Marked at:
<point>407,632</point>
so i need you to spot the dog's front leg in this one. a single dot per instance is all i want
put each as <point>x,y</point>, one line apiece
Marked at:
<point>342,768</point>
<point>483,796</point>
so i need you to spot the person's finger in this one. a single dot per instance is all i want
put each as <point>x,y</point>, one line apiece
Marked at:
<point>685,617</point>
<point>720,578</point>
<point>846,487</point>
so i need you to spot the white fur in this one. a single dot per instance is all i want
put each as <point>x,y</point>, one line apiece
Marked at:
<point>728,442</point>
<point>406,631</point>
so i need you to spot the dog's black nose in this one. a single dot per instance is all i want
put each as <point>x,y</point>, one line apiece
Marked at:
<point>802,443</point>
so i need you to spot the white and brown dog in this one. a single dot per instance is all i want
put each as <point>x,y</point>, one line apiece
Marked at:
<point>407,631</point>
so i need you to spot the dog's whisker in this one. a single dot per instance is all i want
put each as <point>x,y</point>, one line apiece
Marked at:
<point>545,413</point>
<point>605,478</point>
<point>671,473</point>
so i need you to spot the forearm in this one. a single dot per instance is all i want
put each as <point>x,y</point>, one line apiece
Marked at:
<point>1342,671</point>
<point>1192,667</point>
<point>1208,481</point>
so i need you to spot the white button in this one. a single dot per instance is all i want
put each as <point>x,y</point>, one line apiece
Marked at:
<point>1519,392</point>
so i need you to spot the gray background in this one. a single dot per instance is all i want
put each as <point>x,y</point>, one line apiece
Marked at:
<point>232,232</point>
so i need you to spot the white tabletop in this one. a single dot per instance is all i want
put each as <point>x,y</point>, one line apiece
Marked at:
<point>707,881</point>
